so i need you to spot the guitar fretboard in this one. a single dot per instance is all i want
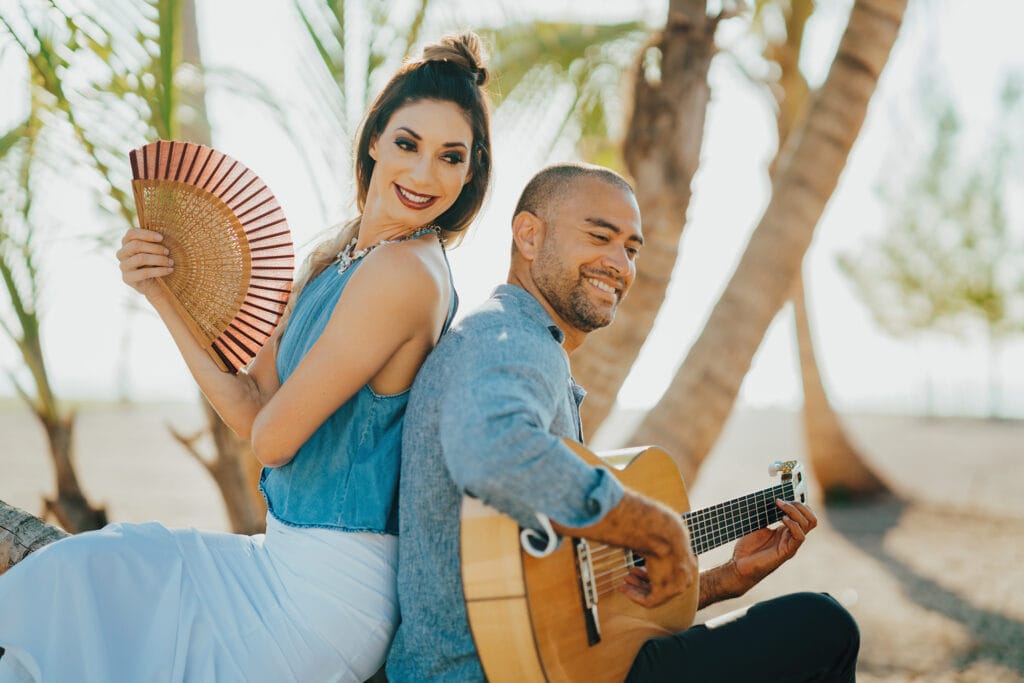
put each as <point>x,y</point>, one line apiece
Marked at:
<point>719,524</point>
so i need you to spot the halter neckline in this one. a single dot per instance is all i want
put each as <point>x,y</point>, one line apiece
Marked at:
<point>346,258</point>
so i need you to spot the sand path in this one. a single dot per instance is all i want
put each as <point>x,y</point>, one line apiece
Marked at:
<point>935,580</point>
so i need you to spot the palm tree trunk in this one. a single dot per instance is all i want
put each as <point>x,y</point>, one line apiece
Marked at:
<point>838,467</point>
<point>662,151</point>
<point>234,469</point>
<point>689,418</point>
<point>70,507</point>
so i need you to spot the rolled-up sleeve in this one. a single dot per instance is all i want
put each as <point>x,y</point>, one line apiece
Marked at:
<point>503,394</point>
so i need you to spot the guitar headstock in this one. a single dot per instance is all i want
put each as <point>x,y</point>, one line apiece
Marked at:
<point>792,471</point>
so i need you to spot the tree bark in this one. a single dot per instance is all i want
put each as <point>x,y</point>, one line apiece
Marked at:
<point>689,418</point>
<point>22,533</point>
<point>70,508</point>
<point>662,151</point>
<point>837,465</point>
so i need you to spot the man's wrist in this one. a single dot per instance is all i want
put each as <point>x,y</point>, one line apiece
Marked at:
<point>721,583</point>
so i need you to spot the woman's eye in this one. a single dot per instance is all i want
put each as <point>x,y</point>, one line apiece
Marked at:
<point>453,158</point>
<point>406,144</point>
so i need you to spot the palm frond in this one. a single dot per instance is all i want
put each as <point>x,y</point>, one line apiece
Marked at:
<point>587,61</point>
<point>518,49</point>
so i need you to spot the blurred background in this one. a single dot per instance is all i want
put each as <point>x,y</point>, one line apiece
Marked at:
<point>831,194</point>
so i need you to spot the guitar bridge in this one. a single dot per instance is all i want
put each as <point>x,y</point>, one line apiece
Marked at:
<point>588,590</point>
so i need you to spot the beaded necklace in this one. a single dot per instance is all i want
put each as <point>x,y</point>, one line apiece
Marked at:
<point>346,258</point>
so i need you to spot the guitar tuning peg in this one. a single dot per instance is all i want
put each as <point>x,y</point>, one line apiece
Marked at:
<point>784,466</point>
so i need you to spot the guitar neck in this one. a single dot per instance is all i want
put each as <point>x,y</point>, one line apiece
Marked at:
<point>719,524</point>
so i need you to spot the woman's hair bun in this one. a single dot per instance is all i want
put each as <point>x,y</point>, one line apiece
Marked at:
<point>463,49</point>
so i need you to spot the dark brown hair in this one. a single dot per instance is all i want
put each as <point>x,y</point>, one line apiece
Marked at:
<point>450,70</point>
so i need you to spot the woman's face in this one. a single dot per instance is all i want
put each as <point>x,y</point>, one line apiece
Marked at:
<point>422,162</point>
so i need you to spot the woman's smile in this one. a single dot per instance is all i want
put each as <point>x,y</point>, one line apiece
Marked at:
<point>413,200</point>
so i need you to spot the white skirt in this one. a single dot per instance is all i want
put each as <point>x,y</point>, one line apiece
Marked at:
<point>141,602</point>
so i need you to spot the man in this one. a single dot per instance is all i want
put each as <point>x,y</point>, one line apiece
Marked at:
<point>486,417</point>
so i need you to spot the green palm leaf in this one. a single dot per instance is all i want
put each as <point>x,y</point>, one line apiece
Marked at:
<point>576,67</point>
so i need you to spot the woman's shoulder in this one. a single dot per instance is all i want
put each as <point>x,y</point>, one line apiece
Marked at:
<point>415,275</point>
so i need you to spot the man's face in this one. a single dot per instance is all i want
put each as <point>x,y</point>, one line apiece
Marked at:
<point>587,260</point>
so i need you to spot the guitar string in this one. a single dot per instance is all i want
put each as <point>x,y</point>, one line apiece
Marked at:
<point>720,534</point>
<point>608,589</point>
<point>617,573</point>
<point>610,579</point>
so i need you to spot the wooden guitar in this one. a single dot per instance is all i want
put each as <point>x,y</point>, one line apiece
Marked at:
<point>561,617</point>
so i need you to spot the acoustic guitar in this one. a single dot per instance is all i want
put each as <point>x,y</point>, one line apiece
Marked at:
<point>561,617</point>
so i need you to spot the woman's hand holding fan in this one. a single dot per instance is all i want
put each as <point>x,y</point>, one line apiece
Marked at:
<point>143,259</point>
<point>215,239</point>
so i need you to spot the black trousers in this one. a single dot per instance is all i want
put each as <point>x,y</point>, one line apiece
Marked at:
<point>800,637</point>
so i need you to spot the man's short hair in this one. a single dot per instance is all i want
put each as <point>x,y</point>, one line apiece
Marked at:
<point>552,183</point>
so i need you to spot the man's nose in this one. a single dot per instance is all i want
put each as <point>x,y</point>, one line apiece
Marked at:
<point>616,258</point>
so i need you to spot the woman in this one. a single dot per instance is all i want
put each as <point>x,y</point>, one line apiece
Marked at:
<point>313,599</point>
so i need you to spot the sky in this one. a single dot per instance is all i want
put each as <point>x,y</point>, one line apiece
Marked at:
<point>102,343</point>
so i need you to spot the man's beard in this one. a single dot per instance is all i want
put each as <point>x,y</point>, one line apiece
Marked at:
<point>569,297</point>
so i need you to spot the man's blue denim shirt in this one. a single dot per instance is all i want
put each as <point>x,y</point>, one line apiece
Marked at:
<point>486,416</point>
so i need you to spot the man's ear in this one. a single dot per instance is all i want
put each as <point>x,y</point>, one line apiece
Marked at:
<point>528,234</point>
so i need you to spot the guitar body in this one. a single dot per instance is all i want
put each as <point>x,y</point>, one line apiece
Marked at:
<point>527,614</point>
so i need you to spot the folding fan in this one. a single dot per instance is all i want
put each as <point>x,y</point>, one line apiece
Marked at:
<point>232,250</point>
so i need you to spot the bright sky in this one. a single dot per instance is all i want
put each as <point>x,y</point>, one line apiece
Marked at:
<point>94,353</point>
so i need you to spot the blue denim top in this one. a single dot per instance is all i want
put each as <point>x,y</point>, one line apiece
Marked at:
<point>486,416</point>
<point>345,476</point>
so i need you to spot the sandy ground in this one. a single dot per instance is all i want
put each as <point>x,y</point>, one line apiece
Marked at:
<point>933,578</point>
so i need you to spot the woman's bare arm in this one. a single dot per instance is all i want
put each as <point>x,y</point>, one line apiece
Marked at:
<point>237,398</point>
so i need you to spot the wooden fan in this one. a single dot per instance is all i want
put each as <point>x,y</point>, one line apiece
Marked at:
<point>232,250</point>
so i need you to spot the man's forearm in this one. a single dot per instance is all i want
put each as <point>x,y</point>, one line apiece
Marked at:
<point>658,533</point>
<point>636,522</point>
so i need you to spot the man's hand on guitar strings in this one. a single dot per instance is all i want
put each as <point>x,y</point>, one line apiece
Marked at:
<point>655,531</point>
<point>636,581</point>
<point>761,552</point>
<point>666,574</point>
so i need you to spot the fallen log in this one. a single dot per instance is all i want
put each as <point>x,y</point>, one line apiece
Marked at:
<point>22,533</point>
